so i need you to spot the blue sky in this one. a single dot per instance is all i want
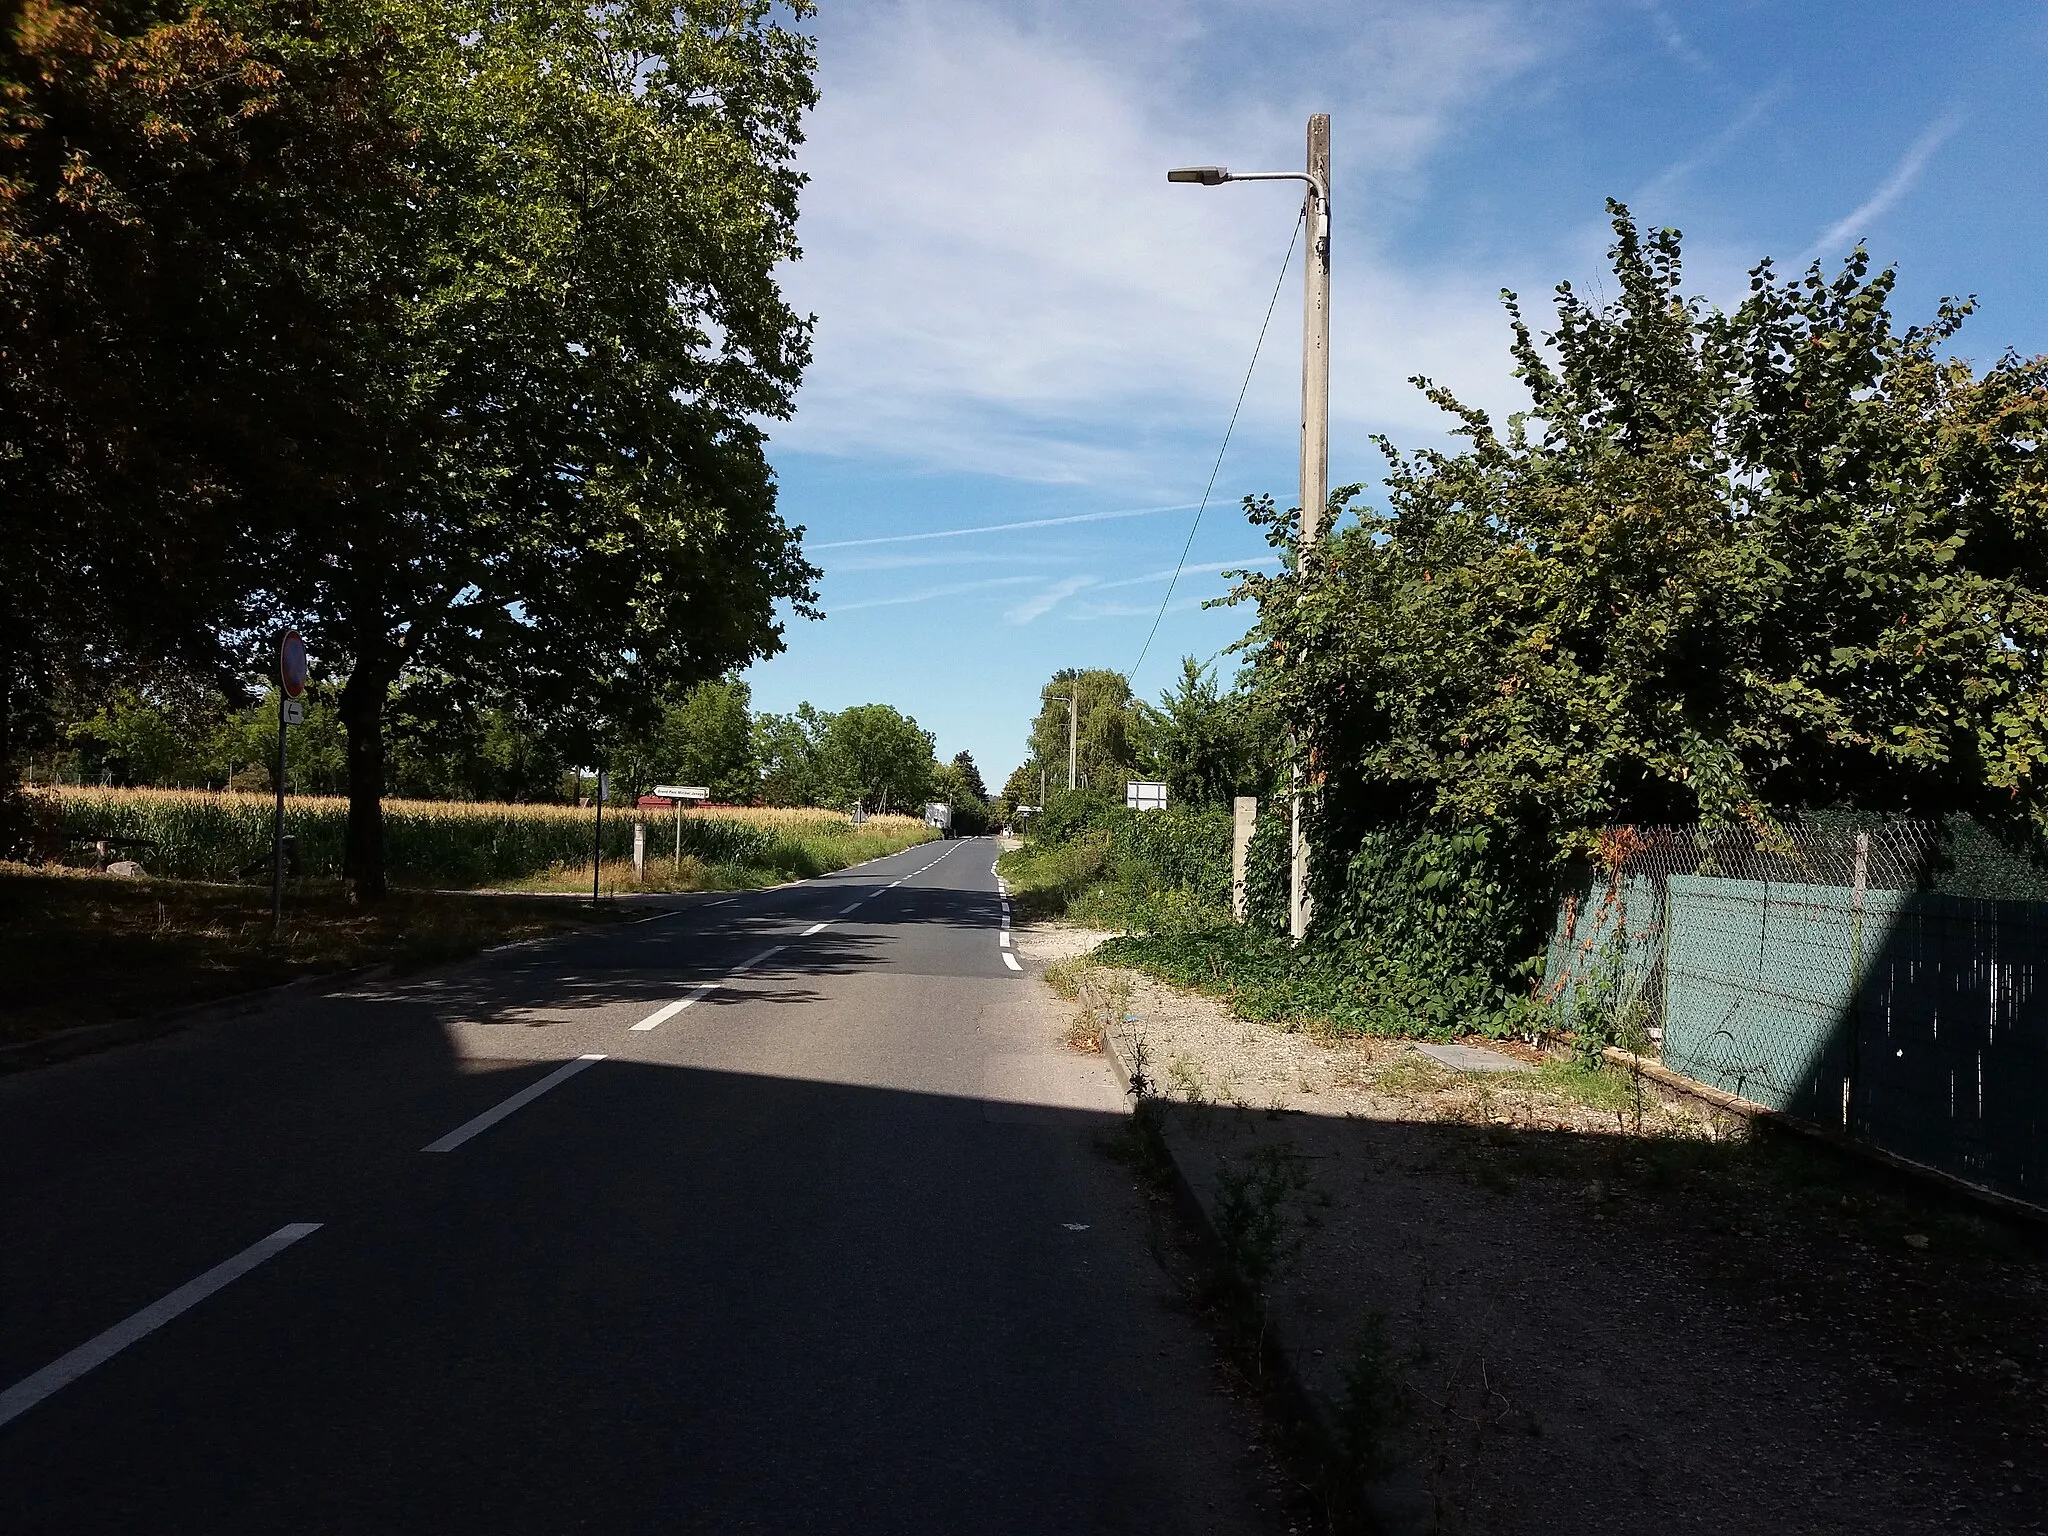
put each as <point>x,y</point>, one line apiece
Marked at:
<point>1020,322</point>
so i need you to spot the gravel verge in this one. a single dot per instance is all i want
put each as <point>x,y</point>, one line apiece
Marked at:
<point>1605,1307</point>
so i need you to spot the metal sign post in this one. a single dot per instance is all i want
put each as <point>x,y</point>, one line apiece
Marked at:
<point>679,793</point>
<point>291,680</point>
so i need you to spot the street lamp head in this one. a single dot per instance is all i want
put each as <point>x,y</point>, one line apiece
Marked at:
<point>1202,175</point>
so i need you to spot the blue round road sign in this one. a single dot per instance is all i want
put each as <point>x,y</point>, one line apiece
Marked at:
<point>291,664</point>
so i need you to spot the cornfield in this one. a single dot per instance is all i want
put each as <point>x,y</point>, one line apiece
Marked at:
<point>194,835</point>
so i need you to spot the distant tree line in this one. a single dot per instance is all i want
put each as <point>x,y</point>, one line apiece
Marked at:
<point>440,330</point>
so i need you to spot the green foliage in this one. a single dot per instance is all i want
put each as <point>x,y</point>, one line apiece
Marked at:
<point>1268,872</point>
<point>1781,558</point>
<point>1104,755</point>
<point>788,753</point>
<point>1204,745</point>
<point>1096,861</point>
<point>970,775</point>
<point>481,297</point>
<point>958,784</point>
<point>876,755</point>
<point>176,184</point>
<point>706,738</point>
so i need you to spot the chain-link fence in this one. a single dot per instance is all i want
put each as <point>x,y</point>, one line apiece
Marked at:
<point>1882,980</point>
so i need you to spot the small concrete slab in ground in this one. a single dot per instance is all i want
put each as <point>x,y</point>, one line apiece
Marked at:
<point>1473,1058</point>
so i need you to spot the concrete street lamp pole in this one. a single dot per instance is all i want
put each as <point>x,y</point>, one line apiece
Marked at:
<point>1315,404</point>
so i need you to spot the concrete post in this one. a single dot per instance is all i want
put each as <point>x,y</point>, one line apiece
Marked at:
<point>1244,820</point>
<point>1073,732</point>
<point>639,852</point>
<point>1315,446</point>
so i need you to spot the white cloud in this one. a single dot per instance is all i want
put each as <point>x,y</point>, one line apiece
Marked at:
<point>1006,284</point>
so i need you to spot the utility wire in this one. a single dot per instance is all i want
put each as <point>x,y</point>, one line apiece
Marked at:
<point>1285,262</point>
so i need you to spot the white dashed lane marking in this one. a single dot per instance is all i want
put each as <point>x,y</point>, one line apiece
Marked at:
<point>663,1015</point>
<point>1011,961</point>
<point>61,1372</point>
<point>518,1101</point>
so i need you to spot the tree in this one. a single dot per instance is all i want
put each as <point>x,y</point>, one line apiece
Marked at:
<point>1020,788</point>
<point>704,738</point>
<point>1729,566</point>
<point>876,755</point>
<point>970,776</point>
<point>169,182</point>
<point>1105,754</point>
<point>788,752</point>
<point>555,486</point>
<point>1196,740</point>
<point>958,784</point>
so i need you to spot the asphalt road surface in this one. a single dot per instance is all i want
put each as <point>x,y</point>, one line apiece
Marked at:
<point>832,1246</point>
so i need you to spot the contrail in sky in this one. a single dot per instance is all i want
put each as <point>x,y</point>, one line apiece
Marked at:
<point>1036,522</point>
<point>1896,185</point>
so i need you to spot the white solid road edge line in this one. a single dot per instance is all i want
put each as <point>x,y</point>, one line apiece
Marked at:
<point>663,1015</point>
<point>61,1372</point>
<point>1011,961</point>
<point>519,1100</point>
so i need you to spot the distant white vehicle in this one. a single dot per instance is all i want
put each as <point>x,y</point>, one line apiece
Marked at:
<point>940,815</point>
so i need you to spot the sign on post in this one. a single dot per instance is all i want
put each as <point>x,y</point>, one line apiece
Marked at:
<point>294,711</point>
<point>1145,795</point>
<point>292,666</point>
<point>682,791</point>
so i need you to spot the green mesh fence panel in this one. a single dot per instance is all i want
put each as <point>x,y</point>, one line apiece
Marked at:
<point>1813,970</point>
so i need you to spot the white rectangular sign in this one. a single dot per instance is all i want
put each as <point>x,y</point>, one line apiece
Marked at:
<point>682,791</point>
<point>294,711</point>
<point>1144,795</point>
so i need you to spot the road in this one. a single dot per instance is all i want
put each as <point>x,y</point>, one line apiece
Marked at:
<point>833,1246</point>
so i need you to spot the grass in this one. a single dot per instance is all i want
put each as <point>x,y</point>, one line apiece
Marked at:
<point>81,948</point>
<point>195,835</point>
<point>801,853</point>
<point>1077,881</point>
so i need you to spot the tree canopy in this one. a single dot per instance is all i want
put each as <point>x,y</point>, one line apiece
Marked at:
<point>1727,566</point>
<point>465,315</point>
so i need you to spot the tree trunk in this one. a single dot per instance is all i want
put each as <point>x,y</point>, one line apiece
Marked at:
<point>362,716</point>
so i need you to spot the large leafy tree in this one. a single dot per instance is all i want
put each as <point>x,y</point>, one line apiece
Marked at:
<point>877,755</point>
<point>788,752</point>
<point>174,183</point>
<point>560,495</point>
<point>1728,565</point>
<point>705,737</point>
<point>1199,740</point>
<point>1104,752</point>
